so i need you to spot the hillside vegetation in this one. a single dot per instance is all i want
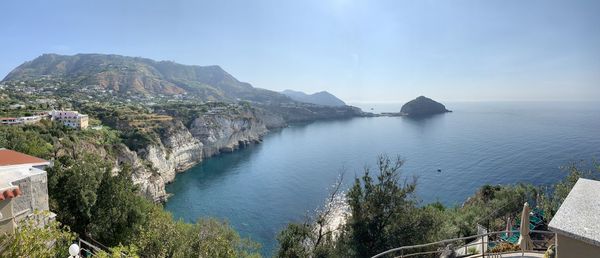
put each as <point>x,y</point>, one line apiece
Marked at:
<point>95,199</point>
<point>140,76</point>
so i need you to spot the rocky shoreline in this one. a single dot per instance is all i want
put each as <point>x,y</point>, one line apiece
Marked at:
<point>180,147</point>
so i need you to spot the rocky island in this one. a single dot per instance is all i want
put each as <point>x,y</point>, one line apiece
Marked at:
<point>422,106</point>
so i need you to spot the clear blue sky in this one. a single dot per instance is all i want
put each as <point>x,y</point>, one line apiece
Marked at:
<point>359,50</point>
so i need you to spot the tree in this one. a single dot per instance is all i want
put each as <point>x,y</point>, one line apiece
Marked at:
<point>293,241</point>
<point>164,237</point>
<point>26,141</point>
<point>119,251</point>
<point>73,189</point>
<point>118,212</point>
<point>384,212</point>
<point>490,207</point>
<point>212,238</point>
<point>94,202</point>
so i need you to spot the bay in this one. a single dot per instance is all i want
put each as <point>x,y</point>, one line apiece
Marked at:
<point>261,188</point>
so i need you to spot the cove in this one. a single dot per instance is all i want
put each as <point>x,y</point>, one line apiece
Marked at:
<point>261,188</point>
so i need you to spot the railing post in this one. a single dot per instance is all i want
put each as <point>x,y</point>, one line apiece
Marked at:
<point>555,245</point>
<point>482,249</point>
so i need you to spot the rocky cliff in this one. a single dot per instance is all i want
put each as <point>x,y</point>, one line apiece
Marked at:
<point>177,150</point>
<point>226,132</point>
<point>180,148</point>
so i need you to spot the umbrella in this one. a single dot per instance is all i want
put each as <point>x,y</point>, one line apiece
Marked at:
<point>508,227</point>
<point>524,240</point>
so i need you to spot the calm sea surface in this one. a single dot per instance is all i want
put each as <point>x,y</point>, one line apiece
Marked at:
<point>261,188</point>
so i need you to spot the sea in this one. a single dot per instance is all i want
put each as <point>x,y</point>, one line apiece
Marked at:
<point>258,190</point>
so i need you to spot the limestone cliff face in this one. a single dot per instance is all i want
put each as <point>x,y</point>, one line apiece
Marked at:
<point>181,148</point>
<point>176,151</point>
<point>151,184</point>
<point>227,132</point>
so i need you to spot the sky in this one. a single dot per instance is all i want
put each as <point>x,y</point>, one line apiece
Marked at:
<point>361,51</point>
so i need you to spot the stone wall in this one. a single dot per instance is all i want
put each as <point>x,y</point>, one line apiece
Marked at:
<point>34,196</point>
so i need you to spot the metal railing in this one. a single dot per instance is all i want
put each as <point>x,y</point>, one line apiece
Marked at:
<point>405,250</point>
<point>87,249</point>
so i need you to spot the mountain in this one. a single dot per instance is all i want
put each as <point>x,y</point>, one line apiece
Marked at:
<point>141,76</point>
<point>323,98</point>
<point>115,79</point>
<point>422,106</point>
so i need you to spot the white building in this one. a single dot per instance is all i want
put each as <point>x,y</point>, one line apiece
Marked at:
<point>20,120</point>
<point>16,106</point>
<point>70,118</point>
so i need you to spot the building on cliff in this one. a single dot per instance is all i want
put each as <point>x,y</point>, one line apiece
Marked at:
<point>20,120</point>
<point>70,118</point>
<point>23,189</point>
<point>577,221</point>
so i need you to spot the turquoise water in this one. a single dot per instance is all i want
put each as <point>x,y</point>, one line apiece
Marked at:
<point>263,187</point>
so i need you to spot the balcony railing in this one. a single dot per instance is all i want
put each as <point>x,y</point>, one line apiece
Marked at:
<point>480,242</point>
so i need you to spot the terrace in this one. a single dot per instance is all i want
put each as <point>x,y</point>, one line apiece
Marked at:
<point>574,232</point>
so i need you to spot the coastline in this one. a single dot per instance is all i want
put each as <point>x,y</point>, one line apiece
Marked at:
<point>220,140</point>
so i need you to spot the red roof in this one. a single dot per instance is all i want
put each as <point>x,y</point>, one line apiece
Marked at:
<point>10,157</point>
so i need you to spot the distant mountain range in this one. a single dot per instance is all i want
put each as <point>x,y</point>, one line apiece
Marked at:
<point>323,98</point>
<point>106,78</point>
<point>142,76</point>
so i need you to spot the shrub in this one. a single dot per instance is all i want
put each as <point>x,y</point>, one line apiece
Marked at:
<point>504,247</point>
<point>550,253</point>
<point>31,239</point>
<point>472,250</point>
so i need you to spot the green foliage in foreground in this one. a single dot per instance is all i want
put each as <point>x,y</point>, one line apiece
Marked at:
<point>94,199</point>
<point>385,214</point>
<point>33,240</point>
<point>105,206</point>
<point>164,237</point>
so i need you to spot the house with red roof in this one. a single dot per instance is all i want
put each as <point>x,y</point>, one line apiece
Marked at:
<point>23,188</point>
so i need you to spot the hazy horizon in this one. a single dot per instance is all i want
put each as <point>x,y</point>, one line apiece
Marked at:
<point>360,51</point>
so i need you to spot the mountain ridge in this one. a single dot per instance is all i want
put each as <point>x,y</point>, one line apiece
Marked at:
<point>323,98</point>
<point>142,76</point>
